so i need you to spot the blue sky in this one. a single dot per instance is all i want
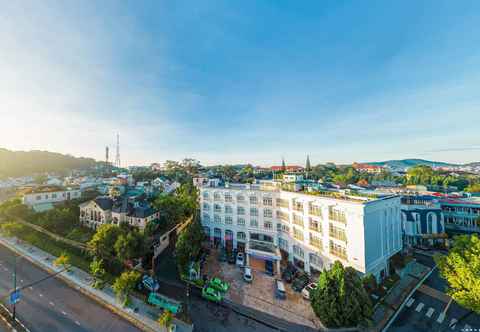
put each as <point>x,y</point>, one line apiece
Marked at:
<point>245,81</point>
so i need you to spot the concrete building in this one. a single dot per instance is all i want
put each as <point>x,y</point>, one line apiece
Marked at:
<point>47,195</point>
<point>270,222</point>
<point>462,215</point>
<point>422,220</point>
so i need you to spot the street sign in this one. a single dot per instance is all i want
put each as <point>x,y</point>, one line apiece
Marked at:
<point>15,296</point>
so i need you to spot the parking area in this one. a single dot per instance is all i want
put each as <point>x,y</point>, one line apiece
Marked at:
<point>260,293</point>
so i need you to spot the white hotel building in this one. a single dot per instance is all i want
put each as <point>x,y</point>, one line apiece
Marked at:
<point>312,230</point>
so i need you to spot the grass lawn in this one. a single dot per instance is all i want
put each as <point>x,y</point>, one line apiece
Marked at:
<point>53,247</point>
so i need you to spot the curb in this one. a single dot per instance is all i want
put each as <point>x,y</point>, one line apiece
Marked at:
<point>84,291</point>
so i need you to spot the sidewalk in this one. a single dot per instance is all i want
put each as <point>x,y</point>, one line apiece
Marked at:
<point>145,317</point>
<point>386,308</point>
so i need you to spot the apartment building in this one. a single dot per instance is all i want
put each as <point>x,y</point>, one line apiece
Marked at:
<point>272,220</point>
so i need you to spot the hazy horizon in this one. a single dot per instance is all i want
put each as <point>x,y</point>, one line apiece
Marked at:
<point>226,82</point>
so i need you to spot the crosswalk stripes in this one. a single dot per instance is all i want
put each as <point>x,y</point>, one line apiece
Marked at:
<point>419,307</point>
<point>429,312</point>
<point>441,318</point>
<point>410,302</point>
<point>467,328</point>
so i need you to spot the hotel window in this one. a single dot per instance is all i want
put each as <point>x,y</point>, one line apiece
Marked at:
<point>253,200</point>
<point>338,250</point>
<point>282,203</point>
<point>254,211</point>
<point>205,195</point>
<point>228,197</point>
<point>241,236</point>
<point>240,210</point>
<point>283,228</point>
<point>267,213</point>
<point>217,197</point>
<point>314,210</point>
<point>282,216</point>
<point>297,234</point>
<point>241,222</point>
<point>315,260</point>
<point>206,206</point>
<point>228,220</point>
<point>38,197</point>
<point>298,220</point>
<point>337,233</point>
<point>337,215</point>
<point>315,241</point>
<point>314,225</point>
<point>267,201</point>
<point>206,217</point>
<point>240,199</point>
<point>217,208</point>
<point>228,209</point>
<point>217,219</point>
<point>267,225</point>
<point>298,206</point>
<point>298,251</point>
<point>54,195</point>
<point>253,223</point>
<point>283,244</point>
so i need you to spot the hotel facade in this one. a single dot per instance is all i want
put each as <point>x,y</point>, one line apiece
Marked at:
<point>310,229</point>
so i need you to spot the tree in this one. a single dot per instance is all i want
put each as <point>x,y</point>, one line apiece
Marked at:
<point>130,245</point>
<point>461,269</point>
<point>63,260</point>
<point>340,299</point>
<point>165,319</point>
<point>124,285</point>
<point>189,244</point>
<point>98,272</point>
<point>473,188</point>
<point>103,242</point>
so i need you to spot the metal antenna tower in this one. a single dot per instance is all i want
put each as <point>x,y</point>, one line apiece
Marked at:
<point>117,156</point>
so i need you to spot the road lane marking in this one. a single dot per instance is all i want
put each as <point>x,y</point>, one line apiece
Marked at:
<point>21,280</point>
<point>5,269</point>
<point>410,302</point>
<point>453,323</point>
<point>430,312</point>
<point>440,318</point>
<point>419,307</point>
<point>52,304</point>
<point>31,288</point>
<point>77,322</point>
<point>41,295</point>
<point>64,313</point>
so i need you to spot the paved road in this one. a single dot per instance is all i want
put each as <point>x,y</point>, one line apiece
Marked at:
<point>52,305</point>
<point>423,313</point>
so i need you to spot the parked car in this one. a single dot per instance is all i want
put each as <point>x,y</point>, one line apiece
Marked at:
<point>211,294</point>
<point>248,274</point>
<point>269,267</point>
<point>289,272</point>
<point>300,281</point>
<point>149,284</point>
<point>219,284</point>
<point>306,291</point>
<point>240,259</point>
<point>280,292</point>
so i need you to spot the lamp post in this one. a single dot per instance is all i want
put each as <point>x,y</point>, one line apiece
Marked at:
<point>14,283</point>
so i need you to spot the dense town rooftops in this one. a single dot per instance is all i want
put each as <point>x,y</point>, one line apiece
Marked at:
<point>47,189</point>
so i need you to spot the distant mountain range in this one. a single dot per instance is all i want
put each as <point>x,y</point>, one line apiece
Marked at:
<point>20,163</point>
<point>406,163</point>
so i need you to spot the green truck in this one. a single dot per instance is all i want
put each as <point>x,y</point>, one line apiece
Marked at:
<point>164,303</point>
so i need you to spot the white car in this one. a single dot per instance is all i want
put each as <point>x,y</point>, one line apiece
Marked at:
<point>240,259</point>
<point>306,291</point>
<point>247,274</point>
